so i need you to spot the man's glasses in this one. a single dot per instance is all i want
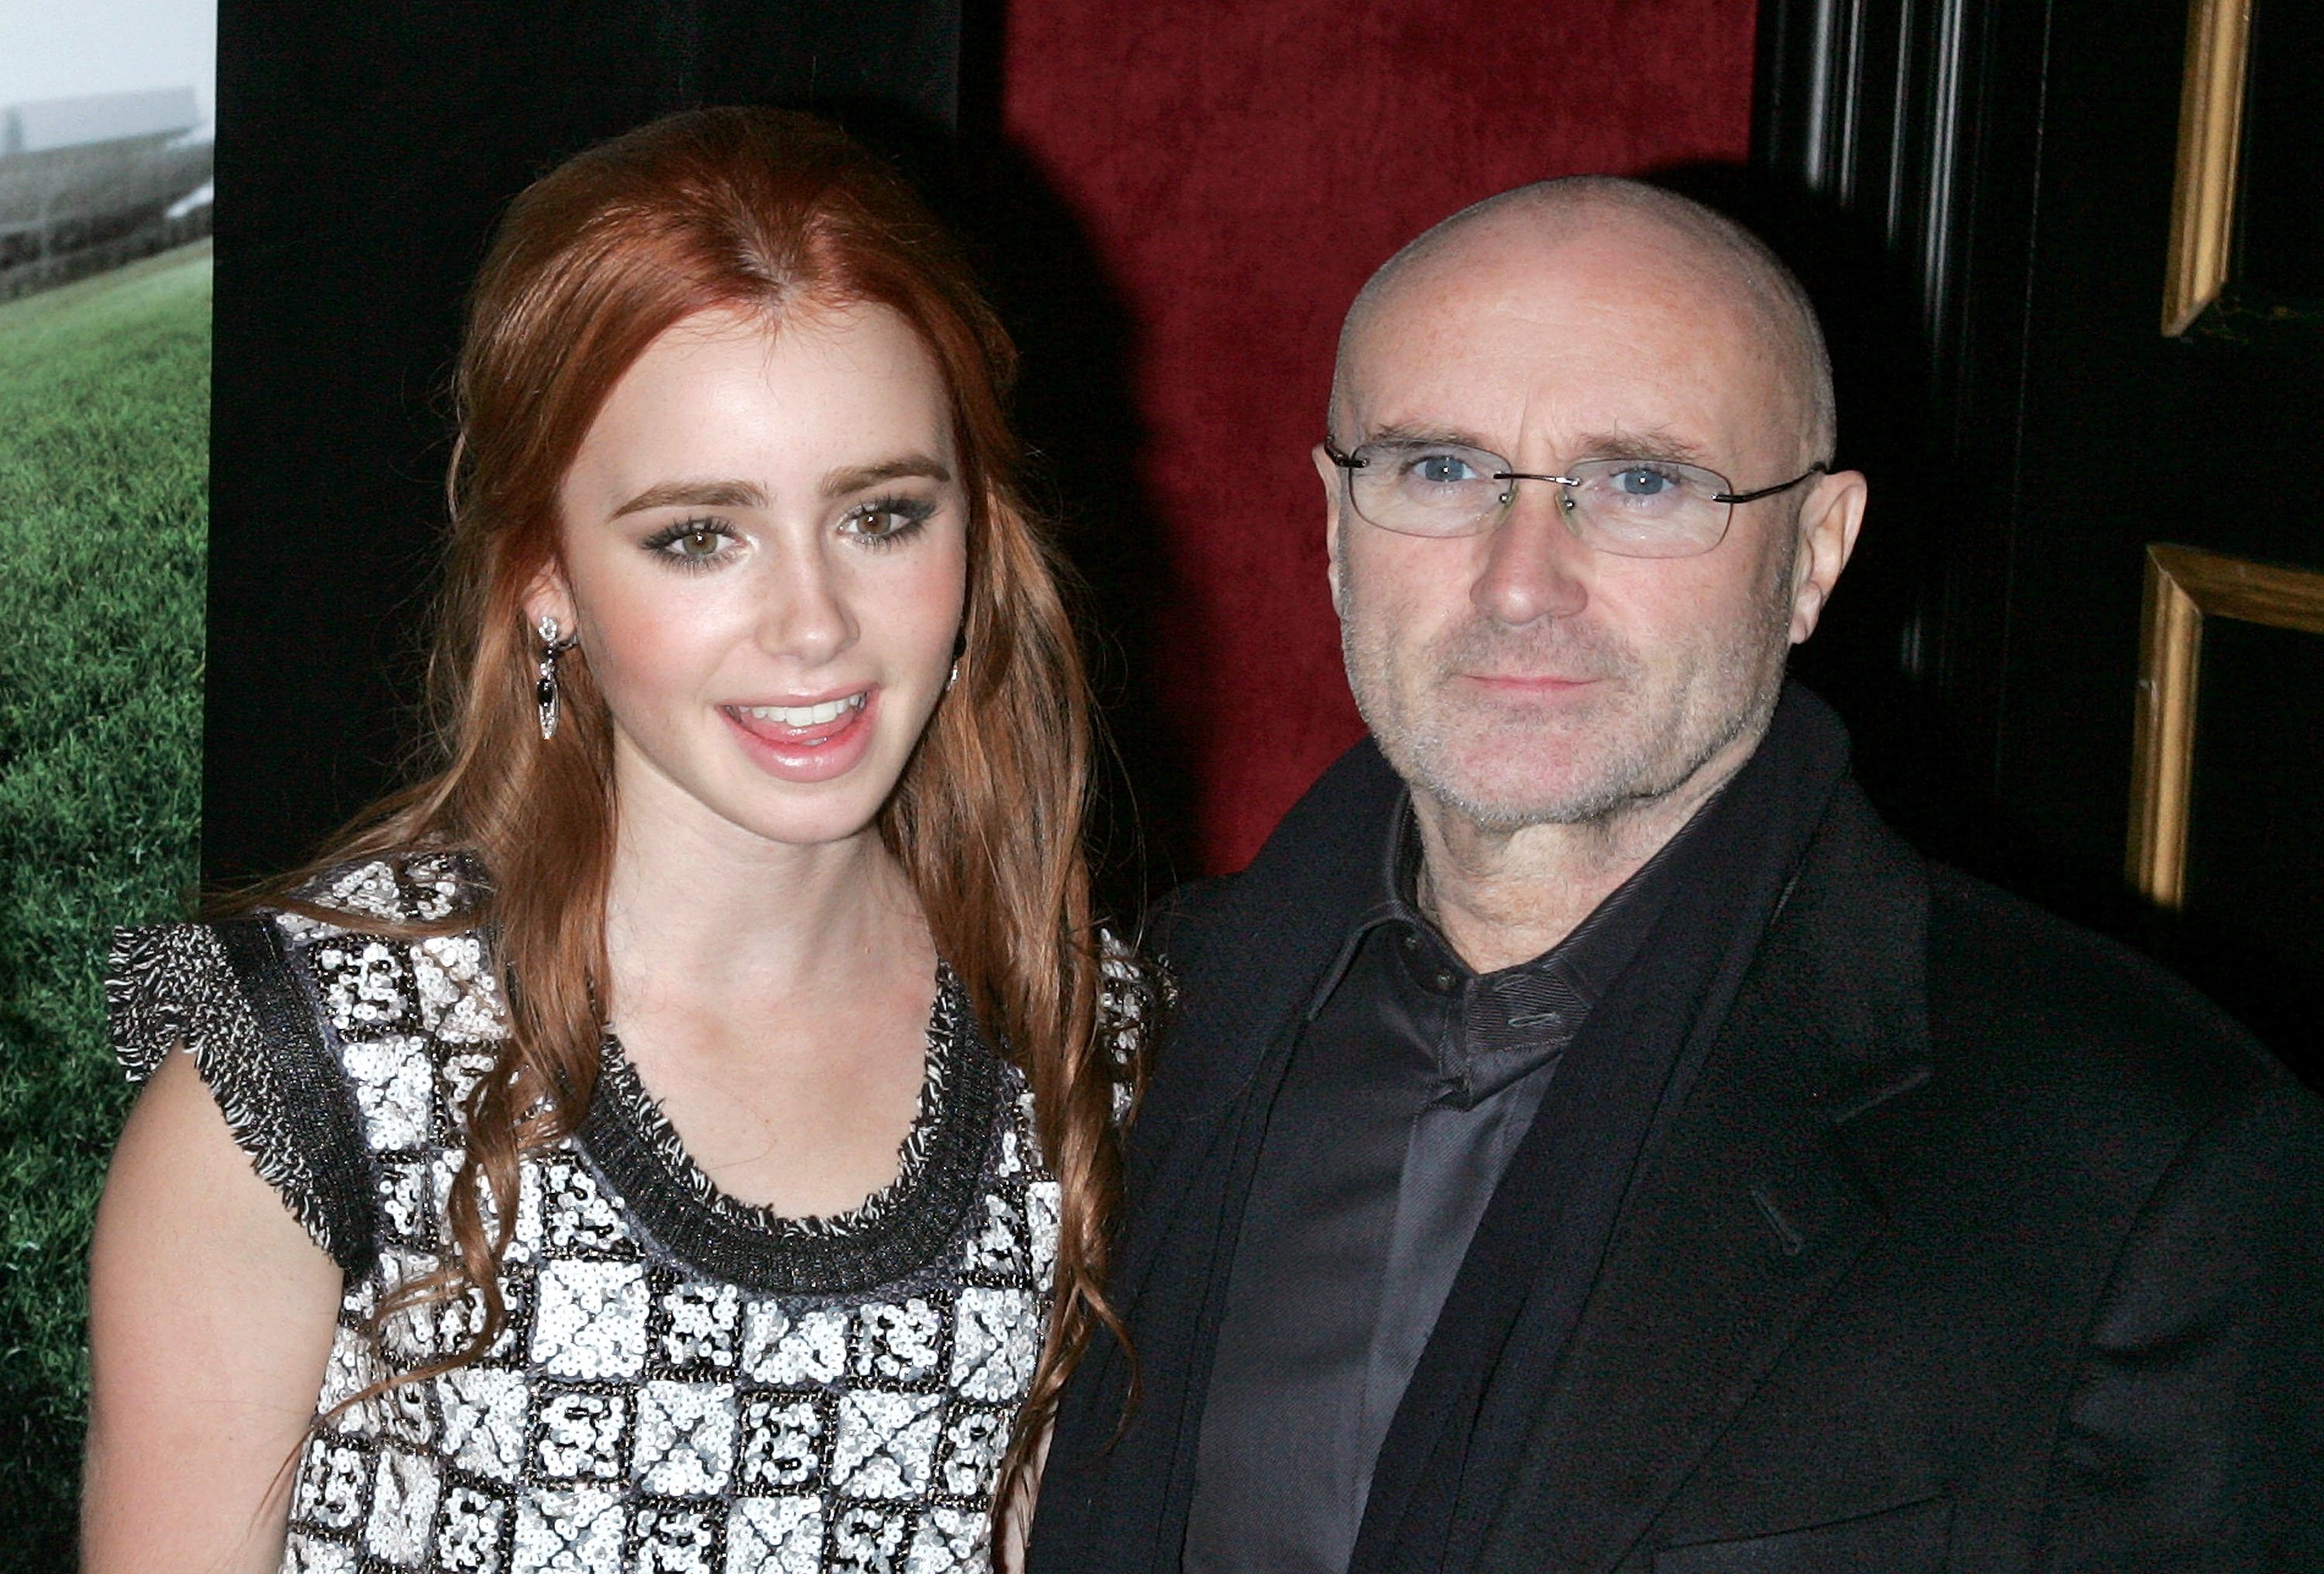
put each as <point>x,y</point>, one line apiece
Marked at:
<point>1632,508</point>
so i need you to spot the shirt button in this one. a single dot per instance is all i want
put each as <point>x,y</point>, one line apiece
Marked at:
<point>1442,981</point>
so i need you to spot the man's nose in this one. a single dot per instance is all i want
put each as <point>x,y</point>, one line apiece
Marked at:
<point>804,612</point>
<point>1534,564</point>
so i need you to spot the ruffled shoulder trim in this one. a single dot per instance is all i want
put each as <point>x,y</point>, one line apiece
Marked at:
<point>160,981</point>
<point>225,993</point>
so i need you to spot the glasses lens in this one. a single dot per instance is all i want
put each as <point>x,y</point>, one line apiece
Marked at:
<point>1648,508</point>
<point>1426,489</point>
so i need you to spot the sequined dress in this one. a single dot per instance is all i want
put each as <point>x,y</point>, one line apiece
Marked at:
<point>687,1383</point>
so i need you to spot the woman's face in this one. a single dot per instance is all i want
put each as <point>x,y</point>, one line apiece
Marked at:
<point>764,555</point>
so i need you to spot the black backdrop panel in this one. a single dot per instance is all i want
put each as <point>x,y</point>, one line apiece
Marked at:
<point>2014,166</point>
<point>2279,226</point>
<point>364,152</point>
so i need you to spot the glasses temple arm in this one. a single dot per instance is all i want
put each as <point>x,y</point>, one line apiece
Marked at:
<point>1771,491</point>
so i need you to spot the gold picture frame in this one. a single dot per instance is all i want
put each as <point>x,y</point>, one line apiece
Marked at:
<point>2184,585</point>
<point>2210,138</point>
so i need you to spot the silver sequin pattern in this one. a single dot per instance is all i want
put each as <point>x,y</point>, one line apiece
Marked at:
<point>637,1415</point>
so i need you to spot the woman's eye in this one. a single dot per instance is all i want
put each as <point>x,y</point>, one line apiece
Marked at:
<point>888,520</point>
<point>693,543</point>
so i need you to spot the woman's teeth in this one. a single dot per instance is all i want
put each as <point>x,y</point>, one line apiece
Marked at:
<point>804,715</point>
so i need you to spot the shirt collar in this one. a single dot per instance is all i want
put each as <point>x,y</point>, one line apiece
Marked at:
<point>1577,969</point>
<point>1396,877</point>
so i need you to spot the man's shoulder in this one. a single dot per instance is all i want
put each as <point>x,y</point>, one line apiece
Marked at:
<point>1243,951</point>
<point>1316,872</point>
<point>2064,1020</point>
<point>1180,919</point>
<point>2049,1050</point>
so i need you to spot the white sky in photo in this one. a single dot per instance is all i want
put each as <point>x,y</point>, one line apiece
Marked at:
<point>64,48</point>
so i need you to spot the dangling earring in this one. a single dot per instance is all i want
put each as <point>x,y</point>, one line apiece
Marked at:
<point>953,679</point>
<point>544,691</point>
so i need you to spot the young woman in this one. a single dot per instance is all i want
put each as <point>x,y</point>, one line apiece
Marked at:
<point>680,1133</point>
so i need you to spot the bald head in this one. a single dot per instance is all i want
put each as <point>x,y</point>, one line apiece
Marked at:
<point>1685,249</point>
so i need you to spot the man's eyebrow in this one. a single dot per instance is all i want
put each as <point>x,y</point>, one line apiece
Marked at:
<point>1400,435</point>
<point>1611,443</point>
<point>694,494</point>
<point>1633,443</point>
<point>857,477</point>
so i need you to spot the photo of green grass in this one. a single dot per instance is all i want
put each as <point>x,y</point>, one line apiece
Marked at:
<point>104,475</point>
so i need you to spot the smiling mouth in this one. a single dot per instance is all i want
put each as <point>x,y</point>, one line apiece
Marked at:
<point>815,715</point>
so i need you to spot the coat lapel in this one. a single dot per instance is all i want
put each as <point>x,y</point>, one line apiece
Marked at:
<point>1246,969</point>
<point>1247,955</point>
<point>1742,1216</point>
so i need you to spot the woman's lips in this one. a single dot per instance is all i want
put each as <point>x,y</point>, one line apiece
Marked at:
<point>812,741</point>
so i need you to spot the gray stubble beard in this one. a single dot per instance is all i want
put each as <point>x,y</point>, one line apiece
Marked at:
<point>1642,769</point>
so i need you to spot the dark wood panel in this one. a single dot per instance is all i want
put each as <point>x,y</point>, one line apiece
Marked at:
<point>2255,829</point>
<point>2279,246</point>
<point>2016,163</point>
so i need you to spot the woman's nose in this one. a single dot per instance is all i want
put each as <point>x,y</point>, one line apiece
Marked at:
<point>804,613</point>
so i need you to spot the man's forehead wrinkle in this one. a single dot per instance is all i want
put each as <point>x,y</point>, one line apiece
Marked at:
<point>1536,380</point>
<point>1509,304</point>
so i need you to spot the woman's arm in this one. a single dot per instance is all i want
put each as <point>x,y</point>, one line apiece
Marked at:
<point>210,1318</point>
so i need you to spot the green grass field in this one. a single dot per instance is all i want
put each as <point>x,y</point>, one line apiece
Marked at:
<point>104,476</point>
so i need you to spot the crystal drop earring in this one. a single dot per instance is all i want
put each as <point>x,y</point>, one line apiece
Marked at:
<point>544,690</point>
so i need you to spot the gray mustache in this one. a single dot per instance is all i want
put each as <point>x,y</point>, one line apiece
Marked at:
<point>1489,649</point>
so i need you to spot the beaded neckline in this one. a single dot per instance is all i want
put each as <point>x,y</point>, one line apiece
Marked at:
<point>897,1231</point>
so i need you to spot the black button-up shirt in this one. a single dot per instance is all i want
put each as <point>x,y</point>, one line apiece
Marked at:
<point>1410,1088</point>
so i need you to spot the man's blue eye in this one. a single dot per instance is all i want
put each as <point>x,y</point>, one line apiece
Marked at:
<point>1639,482</point>
<point>1443,470</point>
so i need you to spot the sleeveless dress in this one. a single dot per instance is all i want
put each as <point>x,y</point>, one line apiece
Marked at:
<point>687,1383</point>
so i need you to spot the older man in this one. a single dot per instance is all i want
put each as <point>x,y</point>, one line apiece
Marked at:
<point>1589,1139</point>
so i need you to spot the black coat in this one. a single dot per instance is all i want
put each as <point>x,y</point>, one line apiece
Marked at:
<point>1977,1243</point>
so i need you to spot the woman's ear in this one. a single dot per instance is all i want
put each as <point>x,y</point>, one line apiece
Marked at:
<point>549,597</point>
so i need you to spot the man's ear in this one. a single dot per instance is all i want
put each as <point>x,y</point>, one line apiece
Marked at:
<point>1333,489</point>
<point>1829,520</point>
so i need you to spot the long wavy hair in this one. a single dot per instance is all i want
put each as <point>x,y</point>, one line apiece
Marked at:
<point>765,212</point>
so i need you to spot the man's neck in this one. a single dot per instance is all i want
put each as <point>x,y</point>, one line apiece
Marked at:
<point>1505,895</point>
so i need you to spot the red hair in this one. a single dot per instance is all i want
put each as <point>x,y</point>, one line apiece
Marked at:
<point>759,212</point>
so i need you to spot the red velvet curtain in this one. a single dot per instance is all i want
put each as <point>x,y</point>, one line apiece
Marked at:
<point>1242,166</point>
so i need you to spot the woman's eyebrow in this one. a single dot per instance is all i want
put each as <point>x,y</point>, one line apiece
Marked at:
<point>854,478</point>
<point>719,493</point>
<point>694,494</point>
